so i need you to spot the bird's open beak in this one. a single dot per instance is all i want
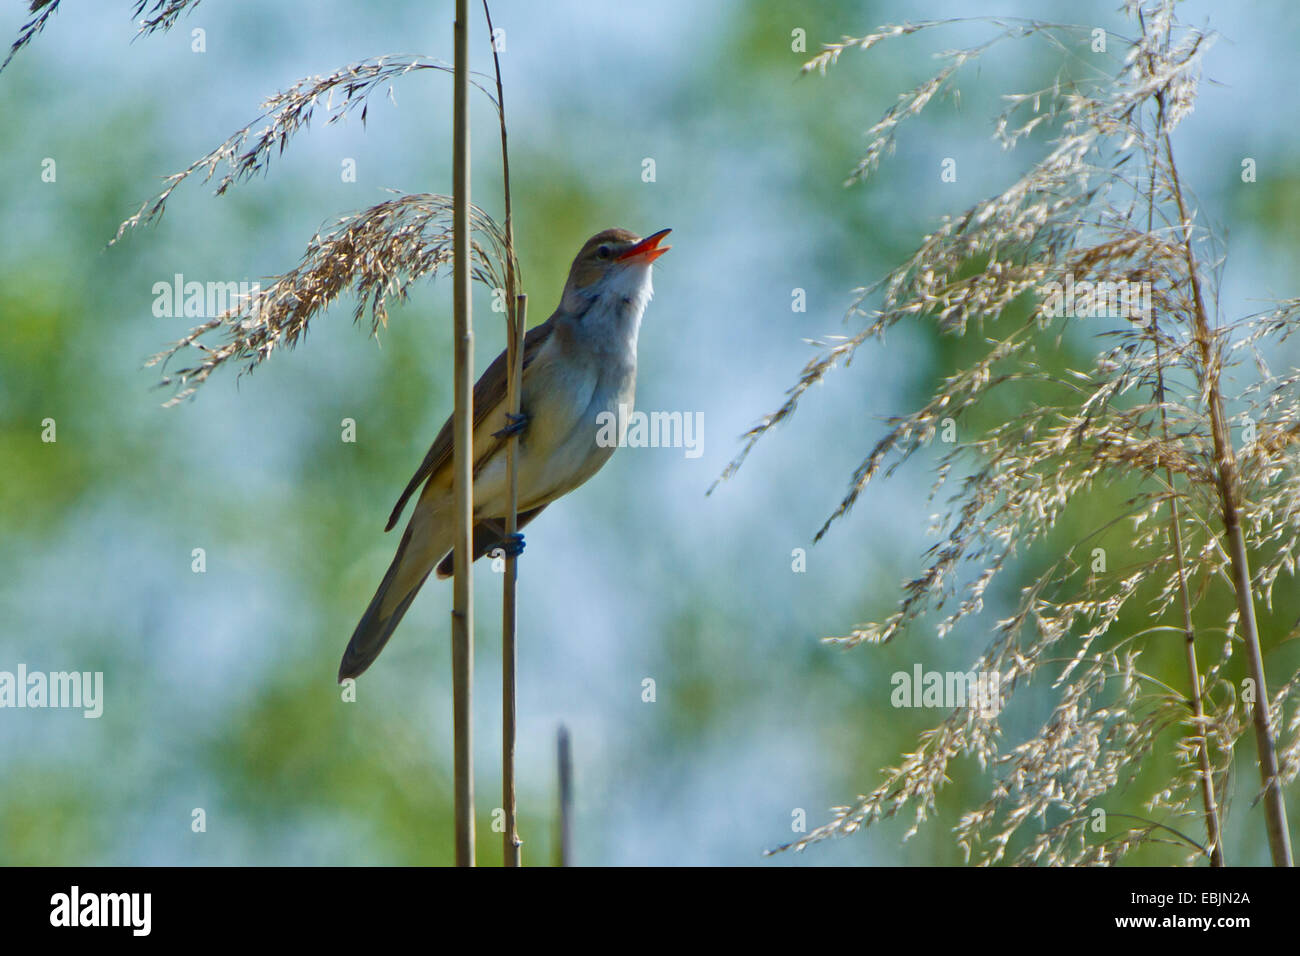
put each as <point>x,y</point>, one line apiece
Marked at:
<point>648,249</point>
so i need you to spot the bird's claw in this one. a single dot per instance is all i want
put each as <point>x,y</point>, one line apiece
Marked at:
<point>513,544</point>
<point>515,425</point>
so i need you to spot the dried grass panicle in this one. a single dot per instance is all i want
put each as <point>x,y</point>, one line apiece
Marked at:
<point>340,94</point>
<point>1102,203</point>
<point>41,11</point>
<point>377,254</point>
<point>161,16</point>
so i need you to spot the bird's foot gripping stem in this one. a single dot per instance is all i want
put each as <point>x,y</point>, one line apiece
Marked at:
<point>516,425</point>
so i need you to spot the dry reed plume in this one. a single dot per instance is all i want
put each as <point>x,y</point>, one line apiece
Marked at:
<point>1103,203</point>
<point>376,253</point>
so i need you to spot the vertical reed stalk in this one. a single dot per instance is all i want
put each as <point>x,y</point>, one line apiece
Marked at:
<point>514,392</point>
<point>516,309</point>
<point>564,843</point>
<point>462,615</point>
<point>1229,488</point>
<point>1213,828</point>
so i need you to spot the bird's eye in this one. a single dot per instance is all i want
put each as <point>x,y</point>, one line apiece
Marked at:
<point>604,252</point>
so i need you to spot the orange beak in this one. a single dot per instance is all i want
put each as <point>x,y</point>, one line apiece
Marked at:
<point>647,249</point>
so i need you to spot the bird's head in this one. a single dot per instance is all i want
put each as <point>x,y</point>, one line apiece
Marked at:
<point>613,263</point>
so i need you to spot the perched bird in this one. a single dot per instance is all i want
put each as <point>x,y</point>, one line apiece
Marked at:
<point>577,364</point>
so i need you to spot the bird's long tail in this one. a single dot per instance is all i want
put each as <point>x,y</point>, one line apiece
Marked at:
<point>398,589</point>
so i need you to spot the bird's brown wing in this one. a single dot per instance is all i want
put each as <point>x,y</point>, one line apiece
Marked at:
<point>489,390</point>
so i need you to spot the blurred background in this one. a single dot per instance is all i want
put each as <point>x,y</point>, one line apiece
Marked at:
<point>220,686</point>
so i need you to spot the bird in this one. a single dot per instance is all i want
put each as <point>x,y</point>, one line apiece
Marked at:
<point>579,368</point>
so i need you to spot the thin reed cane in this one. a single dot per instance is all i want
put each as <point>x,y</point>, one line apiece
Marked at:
<point>564,841</point>
<point>1229,488</point>
<point>462,615</point>
<point>512,855</point>
<point>516,308</point>
<point>1209,801</point>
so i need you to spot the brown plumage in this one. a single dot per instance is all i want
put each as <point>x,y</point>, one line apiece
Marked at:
<point>578,365</point>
